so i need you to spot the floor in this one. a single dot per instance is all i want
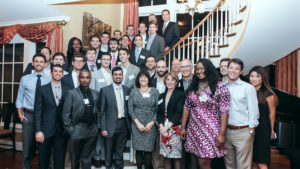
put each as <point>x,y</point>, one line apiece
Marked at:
<point>9,160</point>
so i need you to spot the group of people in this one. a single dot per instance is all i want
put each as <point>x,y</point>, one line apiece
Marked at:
<point>89,103</point>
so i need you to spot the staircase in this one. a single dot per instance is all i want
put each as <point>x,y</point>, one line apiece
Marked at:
<point>217,36</point>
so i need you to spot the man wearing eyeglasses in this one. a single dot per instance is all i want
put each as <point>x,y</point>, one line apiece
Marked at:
<point>186,70</point>
<point>72,78</point>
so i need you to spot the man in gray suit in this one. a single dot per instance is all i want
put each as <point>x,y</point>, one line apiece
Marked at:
<point>156,43</point>
<point>81,120</point>
<point>100,79</point>
<point>114,117</point>
<point>129,70</point>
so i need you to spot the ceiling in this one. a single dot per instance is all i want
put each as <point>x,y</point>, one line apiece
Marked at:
<point>35,11</point>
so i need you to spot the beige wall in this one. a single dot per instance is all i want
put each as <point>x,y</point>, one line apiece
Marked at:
<point>111,14</point>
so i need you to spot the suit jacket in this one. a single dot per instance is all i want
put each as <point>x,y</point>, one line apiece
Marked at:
<point>98,80</point>
<point>86,67</point>
<point>68,80</point>
<point>47,115</point>
<point>109,109</point>
<point>174,109</point>
<point>142,58</point>
<point>98,59</point>
<point>157,48</point>
<point>129,79</point>
<point>73,108</point>
<point>171,34</point>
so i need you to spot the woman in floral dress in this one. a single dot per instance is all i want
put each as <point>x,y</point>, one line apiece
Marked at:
<point>206,107</point>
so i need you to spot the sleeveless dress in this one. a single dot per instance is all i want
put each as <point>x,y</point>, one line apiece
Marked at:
<point>262,137</point>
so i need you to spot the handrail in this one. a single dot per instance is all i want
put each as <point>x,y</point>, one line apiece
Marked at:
<point>195,28</point>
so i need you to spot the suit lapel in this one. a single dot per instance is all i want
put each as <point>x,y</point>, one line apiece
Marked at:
<point>80,95</point>
<point>168,27</point>
<point>114,96</point>
<point>51,93</point>
<point>128,73</point>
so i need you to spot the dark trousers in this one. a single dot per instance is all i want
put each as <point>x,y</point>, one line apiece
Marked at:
<point>100,149</point>
<point>28,141</point>
<point>188,161</point>
<point>58,143</point>
<point>83,148</point>
<point>114,146</point>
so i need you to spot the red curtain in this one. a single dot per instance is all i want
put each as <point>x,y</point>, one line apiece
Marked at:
<point>286,73</point>
<point>131,14</point>
<point>35,33</point>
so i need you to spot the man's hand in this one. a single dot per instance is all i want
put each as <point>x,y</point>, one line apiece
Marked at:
<point>104,133</point>
<point>39,137</point>
<point>21,116</point>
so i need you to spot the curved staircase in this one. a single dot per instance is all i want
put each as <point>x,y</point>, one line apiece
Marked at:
<point>217,36</point>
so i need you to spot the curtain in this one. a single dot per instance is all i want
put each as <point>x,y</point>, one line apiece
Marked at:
<point>131,14</point>
<point>286,73</point>
<point>35,33</point>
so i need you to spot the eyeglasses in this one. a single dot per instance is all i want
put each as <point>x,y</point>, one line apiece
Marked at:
<point>106,59</point>
<point>77,61</point>
<point>185,66</point>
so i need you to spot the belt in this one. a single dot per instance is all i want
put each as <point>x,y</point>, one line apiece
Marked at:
<point>28,111</point>
<point>237,127</point>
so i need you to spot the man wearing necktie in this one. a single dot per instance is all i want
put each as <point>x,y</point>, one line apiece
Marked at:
<point>138,54</point>
<point>81,120</point>
<point>114,119</point>
<point>114,52</point>
<point>49,131</point>
<point>90,55</point>
<point>25,106</point>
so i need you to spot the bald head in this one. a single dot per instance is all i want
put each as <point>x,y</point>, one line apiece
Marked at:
<point>186,68</point>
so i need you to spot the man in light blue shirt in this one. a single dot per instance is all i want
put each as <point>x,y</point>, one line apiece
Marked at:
<point>243,119</point>
<point>25,106</point>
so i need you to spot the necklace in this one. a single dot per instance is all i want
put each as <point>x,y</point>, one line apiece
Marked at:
<point>202,87</point>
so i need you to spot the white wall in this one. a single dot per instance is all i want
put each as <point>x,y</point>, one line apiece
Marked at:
<point>273,32</point>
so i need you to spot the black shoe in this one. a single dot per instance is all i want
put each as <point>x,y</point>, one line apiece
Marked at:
<point>97,164</point>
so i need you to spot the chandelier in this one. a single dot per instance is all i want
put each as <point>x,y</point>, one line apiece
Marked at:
<point>191,6</point>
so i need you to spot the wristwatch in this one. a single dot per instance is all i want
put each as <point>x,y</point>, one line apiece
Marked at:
<point>252,132</point>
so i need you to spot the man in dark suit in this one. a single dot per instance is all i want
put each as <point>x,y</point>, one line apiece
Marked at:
<point>90,55</point>
<point>169,30</point>
<point>114,52</point>
<point>115,123</point>
<point>95,42</point>
<point>47,120</point>
<point>71,79</point>
<point>155,44</point>
<point>143,33</point>
<point>81,120</point>
<point>139,55</point>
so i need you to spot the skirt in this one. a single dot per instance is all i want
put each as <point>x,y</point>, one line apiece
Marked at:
<point>171,146</point>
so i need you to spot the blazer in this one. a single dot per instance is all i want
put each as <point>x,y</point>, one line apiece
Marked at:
<point>47,115</point>
<point>142,58</point>
<point>157,48</point>
<point>68,80</point>
<point>174,109</point>
<point>129,79</point>
<point>98,80</point>
<point>109,109</point>
<point>86,67</point>
<point>171,34</point>
<point>98,59</point>
<point>72,109</point>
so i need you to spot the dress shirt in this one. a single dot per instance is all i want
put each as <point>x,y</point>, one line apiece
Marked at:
<point>186,84</point>
<point>27,90</point>
<point>89,66</point>
<point>116,92</point>
<point>104,49</point>
<point>165,26</point>
<point>56,94</point>
<point>150,40</point>
<point>124,72</point>
<point>144,39</point>
<point>160,86</point>
<point>107,76</point>
<point>137,53</point>
<point>116,59</point>
<point>47,70</point>
<point>75,79</point>
<point>243,104</point>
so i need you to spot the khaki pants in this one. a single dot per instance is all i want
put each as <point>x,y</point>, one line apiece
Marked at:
<point>239,146</point>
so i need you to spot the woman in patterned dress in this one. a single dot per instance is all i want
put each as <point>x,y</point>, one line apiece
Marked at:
<point>207,107</point>
<point>170,107</point>
<point>142,107</point>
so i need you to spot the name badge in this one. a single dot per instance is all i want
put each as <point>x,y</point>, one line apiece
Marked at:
<point>99,61</point>
<point>146,95</point>
<point>126,97</point>
<point>142,57</point>
<point>86,101</point>
<point>101,80</point>
<point>131,77</point>
<point>203,98</point>
<point>160,101</point>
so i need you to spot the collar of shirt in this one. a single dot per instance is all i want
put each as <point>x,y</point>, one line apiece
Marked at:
<point>56,85</point>
<point>239,81</point>
<point>166,23</point>
<point>152,35</point>
<point>115,86</point>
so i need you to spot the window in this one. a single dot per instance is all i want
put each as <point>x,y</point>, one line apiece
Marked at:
<point>11,70</point>
<point>152,2</point>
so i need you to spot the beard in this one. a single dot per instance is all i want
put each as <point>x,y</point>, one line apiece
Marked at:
<point>161,73</point>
